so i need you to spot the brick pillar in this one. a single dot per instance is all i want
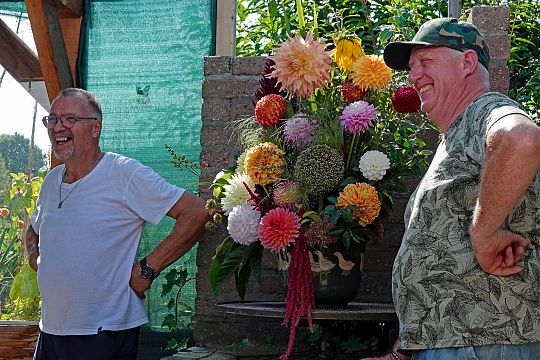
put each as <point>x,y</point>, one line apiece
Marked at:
<point>493,23</point>
<point>228,86</point>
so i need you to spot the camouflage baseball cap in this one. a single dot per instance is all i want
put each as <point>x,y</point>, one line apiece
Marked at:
<point>447,32</point>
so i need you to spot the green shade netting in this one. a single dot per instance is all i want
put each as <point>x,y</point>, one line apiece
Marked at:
<point>13,8</point>
<point>144,61</point>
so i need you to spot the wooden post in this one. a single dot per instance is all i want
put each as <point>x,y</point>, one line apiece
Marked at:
<point>454,8</point>
<point>226,28</point>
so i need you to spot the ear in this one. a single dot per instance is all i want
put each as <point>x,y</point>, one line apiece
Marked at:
<point>470,61</point>
<point>96,129</point>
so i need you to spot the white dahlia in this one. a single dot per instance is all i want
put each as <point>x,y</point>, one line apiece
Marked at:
<point>373,165</point>
<point>243,224</point>
<point>235,192</point>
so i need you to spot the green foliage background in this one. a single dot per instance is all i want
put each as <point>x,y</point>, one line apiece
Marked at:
<point>263,23</point>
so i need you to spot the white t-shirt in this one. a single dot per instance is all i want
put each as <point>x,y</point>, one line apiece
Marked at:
<point>88,246</point>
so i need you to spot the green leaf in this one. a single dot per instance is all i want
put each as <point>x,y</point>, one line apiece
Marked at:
<point>24,285</point>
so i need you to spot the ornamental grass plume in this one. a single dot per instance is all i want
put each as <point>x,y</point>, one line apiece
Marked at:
<point>286,194</point>
<point>370,72</point>
<point>373,165</point>
<point>319,169</point>
<point>235,193</point>
<point>264,163</point>
<point>243,224</point>
<point>347,51</point>
<point>301,65</point>
<point>357,117</point>
<point>299,130</point>
<point>366,200</point>
<point>278,228</point>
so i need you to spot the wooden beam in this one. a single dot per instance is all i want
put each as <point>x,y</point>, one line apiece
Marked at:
<point>53,58</point>
<point>226,28</point>
<point>16,57</point>
<point>69,8</point>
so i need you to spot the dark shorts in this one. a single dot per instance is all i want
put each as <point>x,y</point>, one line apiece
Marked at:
<point>105,345</point>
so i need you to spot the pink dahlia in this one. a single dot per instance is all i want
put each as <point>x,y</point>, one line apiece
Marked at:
<point>302,65</point>
<point>299,130</point>
<point>285,194</point>
<point>357,117</point>
<point>278,228</point>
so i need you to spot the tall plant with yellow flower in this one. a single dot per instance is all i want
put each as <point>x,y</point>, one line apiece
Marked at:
<point>330,143</point>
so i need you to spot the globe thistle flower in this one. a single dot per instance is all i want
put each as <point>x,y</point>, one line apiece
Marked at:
<point>373,165</point>
<point>299,130</point>
<point>264,163</point>
<point>286,194</point>
<point>366,200</point>
<point>319,169</point>
<point>243,224</point>
<point>235,192</point>
<point>347,51</point>
<point>302,65</point>
<point>318,232</point>
<point>370,72</point>
<point>278,228</point>
<point>357,117</point>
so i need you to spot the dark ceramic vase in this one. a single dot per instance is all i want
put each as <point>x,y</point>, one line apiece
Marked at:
<point>337,272</point>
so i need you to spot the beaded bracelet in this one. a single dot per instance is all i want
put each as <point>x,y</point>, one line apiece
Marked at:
<point>395,356</point>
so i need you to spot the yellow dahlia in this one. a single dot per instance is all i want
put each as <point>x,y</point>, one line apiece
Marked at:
<point>370,72</point>
<point>301,65</point>
<point>347,51</point>
<point>365,199</point>
<point>264,163</point>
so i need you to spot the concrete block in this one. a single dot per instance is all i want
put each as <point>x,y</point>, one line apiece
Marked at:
<point>499,47</point>
<point>248,65</point>
<point>212,135</point>
<point>242,107</point>
<point>490,18</point>
<point>500,79</point>
<point>214,65</point>
<point>229,88</point>
<point>216,109</point>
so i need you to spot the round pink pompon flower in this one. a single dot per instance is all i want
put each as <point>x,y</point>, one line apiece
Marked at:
<point>278,228</point>
<point>357,117</point>
<point>302,65</point>
<point>299,130</point>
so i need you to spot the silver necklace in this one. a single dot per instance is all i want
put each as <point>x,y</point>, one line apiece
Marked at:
<point>61,202</point>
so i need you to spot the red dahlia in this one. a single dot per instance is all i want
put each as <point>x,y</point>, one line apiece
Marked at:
<point>351,92</point>
<point>270,109</point>
<point>406,100</point>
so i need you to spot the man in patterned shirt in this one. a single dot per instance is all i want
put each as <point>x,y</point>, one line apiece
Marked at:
<point>466,279</point>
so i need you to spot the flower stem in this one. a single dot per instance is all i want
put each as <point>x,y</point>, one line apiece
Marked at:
<point>353,141</point>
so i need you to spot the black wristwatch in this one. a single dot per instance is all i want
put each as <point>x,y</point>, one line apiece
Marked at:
<point>146,271</point>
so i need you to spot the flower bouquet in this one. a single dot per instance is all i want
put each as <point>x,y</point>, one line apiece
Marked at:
<point>331,141</point>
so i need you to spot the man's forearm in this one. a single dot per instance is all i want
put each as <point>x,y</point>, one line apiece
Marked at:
<point>32,247</point>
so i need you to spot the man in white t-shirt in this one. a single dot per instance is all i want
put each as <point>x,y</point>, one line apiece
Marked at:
<point>84,236</point>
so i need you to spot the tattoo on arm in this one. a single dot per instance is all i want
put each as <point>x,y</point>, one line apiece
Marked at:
<point>32,240</point>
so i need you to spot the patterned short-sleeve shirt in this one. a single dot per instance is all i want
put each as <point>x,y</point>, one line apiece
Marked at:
<point>442,296</point>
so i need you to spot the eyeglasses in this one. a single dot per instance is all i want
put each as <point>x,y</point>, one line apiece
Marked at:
<point>67,120</point>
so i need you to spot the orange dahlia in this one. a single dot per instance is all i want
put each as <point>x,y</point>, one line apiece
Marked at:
<point>347,51</point>
<point>302,65</point>
<point>278,228</point>
<point>365,199</point>
<point>264,163</point>
<point>370,72</point>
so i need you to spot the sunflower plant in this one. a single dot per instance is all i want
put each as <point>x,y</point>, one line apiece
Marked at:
<point>333,136</point>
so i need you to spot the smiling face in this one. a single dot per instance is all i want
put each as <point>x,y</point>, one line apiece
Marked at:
<point>437,75</point>
<point>74,143</point>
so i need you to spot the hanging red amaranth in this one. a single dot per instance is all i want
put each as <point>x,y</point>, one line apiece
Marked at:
<point>300,294</point>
